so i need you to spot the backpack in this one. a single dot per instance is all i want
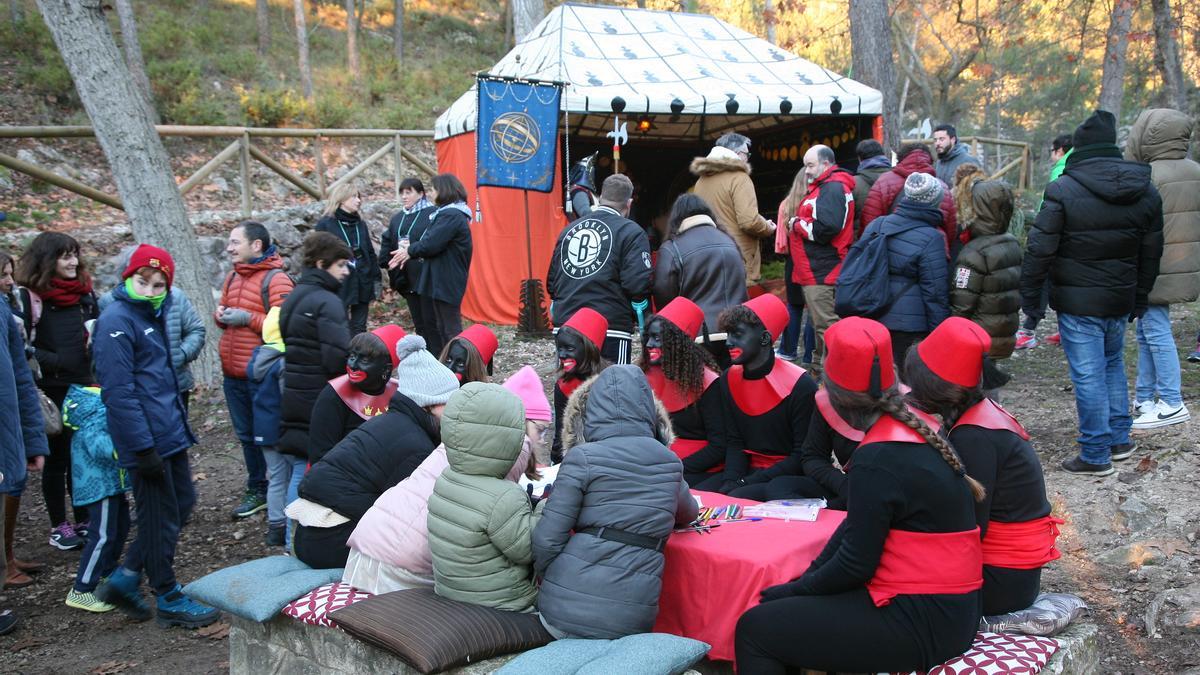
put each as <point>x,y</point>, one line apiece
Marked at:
<point>864,285</point>
<point>266,286</point>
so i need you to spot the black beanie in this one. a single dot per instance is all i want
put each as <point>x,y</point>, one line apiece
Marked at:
<point>1098,129</point>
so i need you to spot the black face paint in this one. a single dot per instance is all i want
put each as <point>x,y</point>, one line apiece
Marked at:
<point>750,346</point>
<point>456,359</point>
<point>569,347</point>
<point>366,373</point>
<point>652,341</point>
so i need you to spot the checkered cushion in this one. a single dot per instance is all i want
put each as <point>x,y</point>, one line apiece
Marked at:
<point>1000,653</point>
<point>314,608</point>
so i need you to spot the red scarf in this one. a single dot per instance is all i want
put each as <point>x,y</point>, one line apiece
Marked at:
<point>66,292</point>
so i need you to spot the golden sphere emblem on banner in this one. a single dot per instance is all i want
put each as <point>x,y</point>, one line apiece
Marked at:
<point>515,137</point>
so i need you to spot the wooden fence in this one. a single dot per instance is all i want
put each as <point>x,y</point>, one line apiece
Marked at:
<point>997,152</point>
<point>241,147</point>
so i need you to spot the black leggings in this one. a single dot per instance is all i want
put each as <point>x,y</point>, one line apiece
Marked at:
<point>844,633</point>
<point>323,548</point>
<point>1009,590</point>
<point>447,320</point>
<point>56,474</point>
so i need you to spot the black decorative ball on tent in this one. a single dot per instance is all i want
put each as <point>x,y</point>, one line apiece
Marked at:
<point>618,104</point>
<point>731,106</point>
<point>836,106</point>
<point>676,106</point>
<point>785,106</point>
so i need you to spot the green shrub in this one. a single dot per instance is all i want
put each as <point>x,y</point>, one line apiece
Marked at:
<point>330,111</point>
<point>239,64</point>
<point>271,108</point>
<point>194,107</point>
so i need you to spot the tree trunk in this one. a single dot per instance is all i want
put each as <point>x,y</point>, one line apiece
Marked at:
<point>1112,80</point>
<point>871,47</point>
<point>352,39</point>
<point>134,151</point>
<point>133,55</point>
<point>1166,55</point>
<point>526,15</point>
<point>16,12</point>
<point>306,82</point>
<point>398,33</point>
<point>508,24</point>
<point>768,16</point>
<point>262,17</point>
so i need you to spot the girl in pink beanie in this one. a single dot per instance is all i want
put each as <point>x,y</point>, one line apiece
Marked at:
<point>526,384</point>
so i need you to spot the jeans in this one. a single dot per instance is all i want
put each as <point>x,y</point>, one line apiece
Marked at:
<point>299,466</point>
<point>1158,361</point>
<point>239,397</point>
<point>279,477</point>
<point>448,321</point>
<point>791,335</point>
<point>1094,348</point>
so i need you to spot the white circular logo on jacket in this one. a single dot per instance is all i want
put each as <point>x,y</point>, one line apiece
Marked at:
<point>585,248</point>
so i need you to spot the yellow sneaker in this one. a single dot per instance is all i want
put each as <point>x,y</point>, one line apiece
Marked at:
<point>88,602</point>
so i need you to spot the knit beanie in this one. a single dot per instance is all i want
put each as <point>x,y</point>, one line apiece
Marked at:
<point>420,376</point>
<point>1100,128</point>
<point>526,384</point>
<point>922,188</point>
<point>146,255</point>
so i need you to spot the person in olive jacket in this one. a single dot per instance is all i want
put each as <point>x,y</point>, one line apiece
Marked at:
<point>985,286</point>
<point>342,219</point>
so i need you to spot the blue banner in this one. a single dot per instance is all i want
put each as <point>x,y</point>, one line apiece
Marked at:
<point>517,134</point>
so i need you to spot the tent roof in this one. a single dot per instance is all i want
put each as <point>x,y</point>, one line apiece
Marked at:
<point>650,58</point>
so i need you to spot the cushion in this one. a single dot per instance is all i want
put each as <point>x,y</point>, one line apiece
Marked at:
<point>314,608</point>
<point>433,633</point>
<point>1000,653</point>
<point>648,654</point>
<point>258,589</point>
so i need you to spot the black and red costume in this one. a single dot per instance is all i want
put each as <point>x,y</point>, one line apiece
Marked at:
<point>593,327</point>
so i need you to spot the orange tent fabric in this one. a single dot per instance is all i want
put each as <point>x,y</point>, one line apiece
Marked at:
<point>500,261</point>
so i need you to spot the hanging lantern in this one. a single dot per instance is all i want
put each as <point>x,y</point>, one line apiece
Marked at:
<point>618,104</point>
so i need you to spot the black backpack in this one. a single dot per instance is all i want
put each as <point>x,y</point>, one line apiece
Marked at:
<point>863,284</point>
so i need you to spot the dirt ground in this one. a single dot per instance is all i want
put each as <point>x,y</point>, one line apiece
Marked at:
<point>1130,538</point>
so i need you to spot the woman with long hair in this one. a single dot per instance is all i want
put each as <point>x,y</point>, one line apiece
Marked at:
<point>342,219</point>
<point>53,270</point>
<point>795,295</point>
<point>897,586</point>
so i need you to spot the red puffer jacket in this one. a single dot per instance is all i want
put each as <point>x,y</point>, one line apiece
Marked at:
<point>881,200</point>
<point>243,289</point>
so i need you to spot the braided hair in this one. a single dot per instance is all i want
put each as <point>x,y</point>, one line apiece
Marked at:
<point>934,395</point>
<point>861,410</point>
<point>683,361</point>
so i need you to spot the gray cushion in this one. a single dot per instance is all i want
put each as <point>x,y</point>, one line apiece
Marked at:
<point>259,589</point>
<point>645,654</point>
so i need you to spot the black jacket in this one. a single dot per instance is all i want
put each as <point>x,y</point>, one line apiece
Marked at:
<point>330,422</point>
<point>359,287</point>
<point>313,323</point>
<point>374,457</point>
<point>704,265</point>
<point>411,225</point>
<point>445,252</point>
<point>61,343</point>
<point>1098,237</point>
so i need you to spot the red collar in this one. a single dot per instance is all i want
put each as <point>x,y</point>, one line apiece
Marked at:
<point>568,386</point>
<point>363,404</point>
<point>757,397</point>
<point>833,419</point>
<point>889,429</point>
<point>673,398</point>
<point>989,415</point>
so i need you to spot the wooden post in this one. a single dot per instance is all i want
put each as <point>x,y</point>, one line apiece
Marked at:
<point>397,165</point>
<point>246,183</point>
<point>416,161</point>
<point>210,166</point>
<point>319,166</point>
<point>284,173</point>
<point>353,173</point>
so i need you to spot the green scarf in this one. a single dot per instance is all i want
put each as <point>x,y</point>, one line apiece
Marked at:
<point>155,302</point>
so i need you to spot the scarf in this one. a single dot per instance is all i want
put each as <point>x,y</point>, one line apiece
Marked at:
<point>418,205</point>
<point>349,223</point>
<point>266,254</point>
<point>1091,151</point>
<point>155,301</point>
<point>66,292</point>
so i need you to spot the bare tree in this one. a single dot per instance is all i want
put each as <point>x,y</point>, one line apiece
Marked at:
<point>16,12</point>
<point>526,15</point>
<point>769,17</point>
<point>133,55</point>
<point>352,39</point>
<point>1112,79</point>
<point>306,82</point>
<point>508,23</point>
<point>398,32</point>
<point>871,47</point>
<point>134,151</point>
<point>262,17</point>
<point>1166,55</point>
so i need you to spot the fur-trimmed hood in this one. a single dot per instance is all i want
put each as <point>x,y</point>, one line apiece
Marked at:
<point>714,164</point>
<point>616,402</point>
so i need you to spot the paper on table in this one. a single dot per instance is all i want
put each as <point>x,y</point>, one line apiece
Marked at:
<point>787,509</point>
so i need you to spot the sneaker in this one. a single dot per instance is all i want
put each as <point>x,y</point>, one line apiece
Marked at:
<point>1078,466</point>
<point>121,591</point>
<point>64,538</point>
<point>1142,407</point>
<point>8,622</point>
<point>88,602</point>
<point>82,530</point>
<point>1123,451</point>
<point>1194,357</point>
<point>1026,339</point>
<point>177,609</point>
<point>1162,415</point>
<point>252,503</point>
<point>276,535</point>
<point>1054,339</point>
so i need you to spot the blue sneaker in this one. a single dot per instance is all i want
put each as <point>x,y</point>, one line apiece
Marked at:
<point>177,609</point>
<point>121,590</point>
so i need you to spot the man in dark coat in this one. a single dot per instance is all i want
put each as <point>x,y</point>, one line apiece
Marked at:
<point>872,163</point>
<point>1099,238</point>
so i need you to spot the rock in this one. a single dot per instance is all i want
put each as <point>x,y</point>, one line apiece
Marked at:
<point>281,189</point>
<point>49,153</point>
<point>219,183</point>
<point>25,155</point>
<point>6,180</point>
<point>1176,610</point>
<point>1136,515</point>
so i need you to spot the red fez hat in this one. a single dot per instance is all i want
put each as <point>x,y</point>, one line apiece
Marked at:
<point>483,339</point>
<point>685,314</point>
<point>591,324</point>
<point>771,311</point>
<point>390,334</point>
<point>154,257</point>
<point>954,351</point>
<point>858,355</point>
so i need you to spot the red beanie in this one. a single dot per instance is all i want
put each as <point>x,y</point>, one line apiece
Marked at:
<point>154,257</point>
<point>483,339</point>
<point>685,314</point>
<point>954,351</point>
<point>591,324</point>
<point>771,311</point>
<point>852,346</point>
<point>390,334</point>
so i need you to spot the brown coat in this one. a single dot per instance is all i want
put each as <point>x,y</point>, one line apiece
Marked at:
<point>724,184</point>
<point>243,290</point>
<point>1160,138</point>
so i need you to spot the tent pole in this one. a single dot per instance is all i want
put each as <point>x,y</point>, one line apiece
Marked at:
<point>528,236</point>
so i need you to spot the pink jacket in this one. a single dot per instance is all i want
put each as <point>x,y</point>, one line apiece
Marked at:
<point>395,531</point>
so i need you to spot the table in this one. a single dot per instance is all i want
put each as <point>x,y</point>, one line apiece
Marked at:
<point>711,579</point>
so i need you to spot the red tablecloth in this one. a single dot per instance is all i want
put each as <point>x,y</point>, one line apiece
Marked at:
<point>711,579</point>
